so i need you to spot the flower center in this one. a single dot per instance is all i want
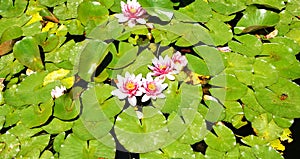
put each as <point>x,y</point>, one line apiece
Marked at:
<point>132,10</point>
<point>151,86</point>
<point>130,86</point>
<point>162,67</point>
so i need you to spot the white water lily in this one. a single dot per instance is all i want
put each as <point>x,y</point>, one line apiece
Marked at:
<point>58,91</point>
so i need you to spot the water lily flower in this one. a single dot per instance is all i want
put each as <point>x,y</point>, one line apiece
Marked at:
<point>224,49</point>
<point>152,88</point>
<point>179,61</point>
<point>128,86</point>
<point>58,91</point>
<point>163,67</point>
<point>131,12</point>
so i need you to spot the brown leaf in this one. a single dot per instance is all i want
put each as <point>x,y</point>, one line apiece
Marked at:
<point>6,47</point>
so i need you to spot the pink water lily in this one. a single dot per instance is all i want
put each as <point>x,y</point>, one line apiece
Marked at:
<point>152,88</point>
<point>163,67</point>
<point>128,86</point>
<point>179,61</point>
<point>131,12</point>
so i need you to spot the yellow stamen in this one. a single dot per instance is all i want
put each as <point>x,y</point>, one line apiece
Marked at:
<point>151,86</point>
<point>132,10</point>
<point>162,67</point>
<point>130,86</point>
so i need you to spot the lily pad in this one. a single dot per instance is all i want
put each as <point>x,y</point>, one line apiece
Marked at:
<point>266,128</point>
<point>91,11</point>
<point>124,56</point>
<point>57,126</point>
<point>91,56</point>
<point>37,115</point>
<point>219,31</point>
<point>212,57</point>
<point>145,135</point>
<point>223,141</point>
<point>27,52</point>
<point>280,99</point>
<point>230,87</point>
<point>198,11</point>
<point>227,7</point>
<point>255,19</point>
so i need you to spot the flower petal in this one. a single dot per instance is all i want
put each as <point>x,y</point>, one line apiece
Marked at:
<point>132,101</point>
<point>119,94</point>
<point>141,20</point>
<point>170,77</point>
<point>145,98</point>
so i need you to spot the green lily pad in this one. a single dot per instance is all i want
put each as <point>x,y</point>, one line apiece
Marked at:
<point>27,52</point>
<point>57,126</point>
<point>227,7</point>
<point>12,8</point>
<point>153,154</point>
<point>148,135</point>
<point>58,141</point>
<point>124,56</point>
<point>283,59</point>
<point>8,65</point>
<point>188,37</point>
<point>246,152</point>
<point>81,131</point>
<point>29,91</point>
<point>178,150</point>
<point>106,31</point>
<point>280,99</point>
<point>230,87</point>
<point>140,65</point>
<point>74,148</point>
<point>198,11</point>
<point>266,152</point>
<point>266,128</point>
<point>65,108</point>
<point>197,65</point>
<point>91,11</point>
<point>215,111</point>
<point>293,7</point>
<point>11,33</point>
<point>91,56</point>
<point>248,45</point>
<point>213,154</point>
<point>99,150</point>
<point>255,19</point>
<point>212,57</point>
<point>67,10</point>
<point>154,3</point>
<point>253,140</point>
<point>9,145</point>
<point>277,4</point>
<point>219,31</point>
<point>223,141</point>
<point>37,115</point>
<point>196,130</point>
<point>251,107</point>
<point>32,147</point>
<point>97,115</point>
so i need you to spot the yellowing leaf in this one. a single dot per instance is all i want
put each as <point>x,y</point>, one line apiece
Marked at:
<point>48,26</point>
<point>35,17</point>
<point>68,82</point>
<point>276,144</point>
<point>286,135</point>
<point>55,75</point>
